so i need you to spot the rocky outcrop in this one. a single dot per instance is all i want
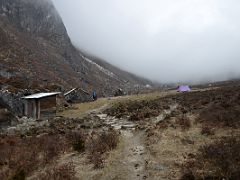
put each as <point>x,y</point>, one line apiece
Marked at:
<point>13,101</point>
<point>7,117</point>
<point>37,18</point>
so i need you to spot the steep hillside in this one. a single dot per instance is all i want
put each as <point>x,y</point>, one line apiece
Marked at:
<point>36,53</point>
<point>118,72</point>
<point>128,81</point>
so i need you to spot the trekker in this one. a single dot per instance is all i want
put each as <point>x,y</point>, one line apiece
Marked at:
<point>94,95</point>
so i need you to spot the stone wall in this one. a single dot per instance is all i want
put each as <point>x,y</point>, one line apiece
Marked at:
<point>14,102</point>
<point>78,96</point>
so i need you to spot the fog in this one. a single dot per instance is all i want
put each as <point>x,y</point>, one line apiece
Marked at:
<point>164,40</point>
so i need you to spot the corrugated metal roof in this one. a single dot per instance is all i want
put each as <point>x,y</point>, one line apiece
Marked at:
<point>41,95</point>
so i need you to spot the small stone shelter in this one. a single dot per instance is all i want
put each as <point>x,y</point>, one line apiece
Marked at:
<point>78,95</point>
<point>39,105</point>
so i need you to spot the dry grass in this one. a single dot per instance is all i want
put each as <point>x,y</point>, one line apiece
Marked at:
<point>59,172</point>
<point>99,144</point>
<point>80,110</point>
<point>207,130</point>
<point>184,122</point>
<point>140,109</point>
<point>218,107</point>
<point>148,96</point>
<point>21,156</point>
<point>77,139</point>
<point>112,164</point>
<point>170,146</point>
<point>218,160</point>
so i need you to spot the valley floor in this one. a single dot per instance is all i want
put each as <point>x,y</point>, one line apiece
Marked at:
<point>163,135</point>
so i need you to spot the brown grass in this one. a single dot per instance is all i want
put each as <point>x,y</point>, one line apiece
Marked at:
<point>218,107</point>
<point>80,110</point>
<point>21,156</point>
<point>77,139</point>
<point>219,160</point>
<point>100,144</point>
<point>184,122</point>
<point>139,110</point>
<point>60,172</point>
<point>207,130</point>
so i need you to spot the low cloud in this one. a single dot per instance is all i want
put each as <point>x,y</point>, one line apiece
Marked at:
<point>167,41</point>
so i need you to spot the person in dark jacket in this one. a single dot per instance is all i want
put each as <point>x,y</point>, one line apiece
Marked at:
<point>94,95</point>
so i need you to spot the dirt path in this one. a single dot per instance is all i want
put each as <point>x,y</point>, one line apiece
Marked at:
<point>128,161</point>
<point>134,155</point>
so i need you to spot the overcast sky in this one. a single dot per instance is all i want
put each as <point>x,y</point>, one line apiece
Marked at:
<point>165,40</point>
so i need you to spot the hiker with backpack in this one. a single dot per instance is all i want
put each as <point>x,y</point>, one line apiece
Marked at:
<point>94,96</point>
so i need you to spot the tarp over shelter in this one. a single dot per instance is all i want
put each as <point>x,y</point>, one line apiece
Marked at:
<point>183,88</point>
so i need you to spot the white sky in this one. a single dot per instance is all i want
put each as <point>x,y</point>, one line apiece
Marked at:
<point>165,40</point>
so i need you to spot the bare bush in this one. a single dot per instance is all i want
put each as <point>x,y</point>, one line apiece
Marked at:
<point>61,172</point>
<point>17,157</point>
<point>207,130</point>
<point>77,140</point>
<point>20,175</point>
<point>187,175</point>
<point>20,156</point>
<point>98,145</point>
<point>137,116</point>
<point>218,107</point>
<point>184,122</point>
<point>219,160</point>
<point>52,146</point>
<point>139,110</point>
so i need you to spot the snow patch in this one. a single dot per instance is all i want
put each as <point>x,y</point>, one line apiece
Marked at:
<point>102,69</point>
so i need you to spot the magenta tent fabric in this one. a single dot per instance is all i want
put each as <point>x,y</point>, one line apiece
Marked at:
<point>184,88</point>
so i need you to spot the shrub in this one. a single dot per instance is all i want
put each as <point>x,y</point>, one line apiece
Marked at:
<point>207,130</point>
<point>21,156</point>
<point>224,156</point>
<point>184,122</point>
<point>219,160</point>
<point>79,145</point>
<point>137,116</point>
<point>52,146</point>
<point>188,175</point>
<point>98,145</point>
<point>17,156</point>
<point>77,140</point>
<point>20,175</point>
<point>62,172</point>
<point>97,159</point>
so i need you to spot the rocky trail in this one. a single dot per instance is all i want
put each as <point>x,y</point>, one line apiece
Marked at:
<point>130,158</point>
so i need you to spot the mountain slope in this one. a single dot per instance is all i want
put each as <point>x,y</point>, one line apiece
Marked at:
<point>36,53</point>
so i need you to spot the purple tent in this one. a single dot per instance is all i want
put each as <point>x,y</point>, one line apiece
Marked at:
<point>183,88</point>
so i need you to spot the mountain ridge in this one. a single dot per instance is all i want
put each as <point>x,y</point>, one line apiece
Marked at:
<point>36,52</point>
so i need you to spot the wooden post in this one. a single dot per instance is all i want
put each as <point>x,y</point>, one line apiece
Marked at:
<point>34,109</point>
<point>26,108</point>
<point>38,109</point>
<point>56,104</point>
